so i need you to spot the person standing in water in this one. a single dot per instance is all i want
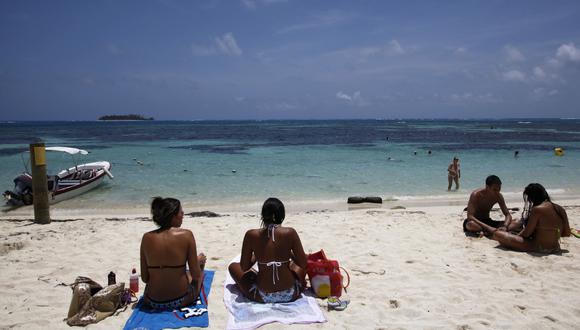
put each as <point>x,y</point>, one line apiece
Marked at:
<point>453,173</point>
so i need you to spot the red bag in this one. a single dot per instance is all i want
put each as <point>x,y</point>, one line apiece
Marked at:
<point>325,276</point>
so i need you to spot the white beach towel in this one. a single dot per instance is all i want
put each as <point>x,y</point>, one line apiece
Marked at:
<point>247,314</point>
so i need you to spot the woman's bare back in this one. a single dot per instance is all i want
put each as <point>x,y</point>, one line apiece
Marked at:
<point>274,255</point>
<point>166,255</point>
<point>552,224</point>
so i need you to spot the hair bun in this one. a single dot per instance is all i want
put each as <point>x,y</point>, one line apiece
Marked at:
<point>164,209</point>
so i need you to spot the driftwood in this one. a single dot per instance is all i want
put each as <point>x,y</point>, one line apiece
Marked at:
<point>207,214</point>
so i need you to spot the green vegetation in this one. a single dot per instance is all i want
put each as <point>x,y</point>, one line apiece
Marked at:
<point>124,117</point>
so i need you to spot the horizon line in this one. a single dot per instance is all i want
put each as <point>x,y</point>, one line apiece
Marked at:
<point>300,119</point>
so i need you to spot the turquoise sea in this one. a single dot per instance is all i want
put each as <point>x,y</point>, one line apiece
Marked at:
<point>206,163</point>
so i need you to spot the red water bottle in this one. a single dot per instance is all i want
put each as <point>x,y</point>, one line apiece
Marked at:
<point>134,281</point>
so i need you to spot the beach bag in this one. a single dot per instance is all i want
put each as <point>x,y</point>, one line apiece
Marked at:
<point>91,302</point>
<point>325,275</point>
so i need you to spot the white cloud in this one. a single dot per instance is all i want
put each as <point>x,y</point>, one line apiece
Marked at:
<point>343,96</point>
<point>252,4</point>
<point>284,106</point>
<point>469,97</point>
<point>113,49</point>
<point>249,4</point>
<point>538,93</point>
<point>514,75</point>
<point>542,93</point>
<point>568,52</point>
<point>279,106</point>
<point>554,63</point>
<point>225,44</point>
<point>88,81</point>
<point>200,50</point>
<point>513,54</point>
<point>460,50</point>
<point>354,99</point>
<point>392,48</point>
<point>539,73</point>
<point>330,18</point>
<point>395,47</point>
<point>461,97</point>
<point>370,51</point>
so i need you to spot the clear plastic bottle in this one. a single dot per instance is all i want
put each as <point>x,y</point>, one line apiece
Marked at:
<point>134,281</point>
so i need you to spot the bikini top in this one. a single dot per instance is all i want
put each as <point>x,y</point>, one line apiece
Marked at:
<point>270,230</point>
<point>274,264</point>
<point>161,267</point>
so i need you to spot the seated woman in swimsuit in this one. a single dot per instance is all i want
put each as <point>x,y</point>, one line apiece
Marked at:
<point>280,257</point>
<point>164,254</point>
<point>544,223</point>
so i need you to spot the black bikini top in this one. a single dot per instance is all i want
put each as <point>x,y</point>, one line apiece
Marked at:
<point>161,267</point>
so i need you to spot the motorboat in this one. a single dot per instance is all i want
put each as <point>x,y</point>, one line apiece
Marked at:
<point>66,184</point>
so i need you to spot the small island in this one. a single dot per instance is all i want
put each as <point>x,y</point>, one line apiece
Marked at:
<point>124,117</point>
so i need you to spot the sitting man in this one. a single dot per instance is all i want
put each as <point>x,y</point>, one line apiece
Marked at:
<point>480,203</point>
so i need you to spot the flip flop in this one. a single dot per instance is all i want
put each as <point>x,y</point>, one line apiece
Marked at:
<point>575,232</point>
<point>335,303</point>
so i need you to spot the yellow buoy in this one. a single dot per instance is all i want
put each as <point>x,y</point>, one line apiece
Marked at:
<point>558,151</point>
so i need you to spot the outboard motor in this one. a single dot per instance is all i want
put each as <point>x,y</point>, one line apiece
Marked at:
<point>22,192</point>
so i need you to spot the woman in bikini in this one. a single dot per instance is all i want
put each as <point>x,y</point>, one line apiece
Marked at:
<point>280,257</point>
<point>164,255</point>
<point>453,173</point>
<point>543,222</point>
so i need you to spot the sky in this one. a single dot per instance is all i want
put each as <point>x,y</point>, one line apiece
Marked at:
<point>289,59</point>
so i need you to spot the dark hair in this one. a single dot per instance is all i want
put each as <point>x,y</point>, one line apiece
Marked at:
<point>272,212</point>
<point>536,194</point>
<point>163,210</point>
<point>492,179</point>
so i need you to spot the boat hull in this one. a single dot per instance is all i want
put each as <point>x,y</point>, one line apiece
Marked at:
<point>66,184</point>
<point>64,192</point>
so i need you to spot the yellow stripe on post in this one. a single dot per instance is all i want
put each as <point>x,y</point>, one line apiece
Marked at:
<point>39,156</point>
<point>39,183</point>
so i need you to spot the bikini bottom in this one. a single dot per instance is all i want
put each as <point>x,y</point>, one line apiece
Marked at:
<point>282,296</point>
<point>169,304</point>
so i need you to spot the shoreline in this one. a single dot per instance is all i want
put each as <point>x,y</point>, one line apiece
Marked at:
<point>68,209</point>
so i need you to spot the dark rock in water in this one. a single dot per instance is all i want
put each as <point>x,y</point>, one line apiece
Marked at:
<point>355,200</point>
<point>377,200</point>
<point>398,207</point>
<point>359,199</point>
<point>208,214</point>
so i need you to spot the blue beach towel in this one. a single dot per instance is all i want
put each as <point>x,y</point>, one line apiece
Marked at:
<point>191,316</point>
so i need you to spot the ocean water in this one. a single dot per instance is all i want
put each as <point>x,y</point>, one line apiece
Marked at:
<point>244,162</point>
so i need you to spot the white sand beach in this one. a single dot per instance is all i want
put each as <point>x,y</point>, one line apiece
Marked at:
<point>410,268</point>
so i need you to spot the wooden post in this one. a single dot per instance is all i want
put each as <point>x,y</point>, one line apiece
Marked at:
<point>39,183</point>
